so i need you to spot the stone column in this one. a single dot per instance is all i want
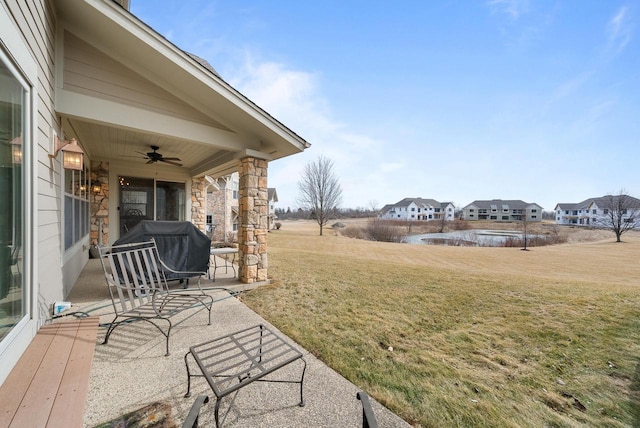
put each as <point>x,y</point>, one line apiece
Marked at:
<point>254,220</point>
<point>99,202</point>
<point>198,203</point>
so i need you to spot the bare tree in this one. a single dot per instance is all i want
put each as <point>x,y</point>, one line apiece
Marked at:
<point>442,221</point>
<point>320,191</point>
<point>373,207</point>
<point>620,213</point>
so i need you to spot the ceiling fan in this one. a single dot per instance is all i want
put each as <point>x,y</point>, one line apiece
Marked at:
<point>154,157</point>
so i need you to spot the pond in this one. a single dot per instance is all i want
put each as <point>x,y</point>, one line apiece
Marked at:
<point>480,238</point>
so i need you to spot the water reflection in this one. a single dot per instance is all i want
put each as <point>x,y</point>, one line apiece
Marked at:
<point>469,238</point>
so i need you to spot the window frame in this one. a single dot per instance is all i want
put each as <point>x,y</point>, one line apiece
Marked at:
<point>16,56</point>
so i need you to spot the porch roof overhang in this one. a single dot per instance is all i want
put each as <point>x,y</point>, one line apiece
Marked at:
<point>111,130</point>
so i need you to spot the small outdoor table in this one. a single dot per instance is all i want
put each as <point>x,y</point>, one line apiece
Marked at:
<point>221,252</point>
<point>231,362</point>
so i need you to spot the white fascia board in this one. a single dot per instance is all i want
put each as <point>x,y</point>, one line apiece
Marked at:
<point>114,114</point>
<point>178,57</point>
<point>227,163</point>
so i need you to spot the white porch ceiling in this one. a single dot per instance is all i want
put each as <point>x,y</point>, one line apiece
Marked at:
<point>102,142</point>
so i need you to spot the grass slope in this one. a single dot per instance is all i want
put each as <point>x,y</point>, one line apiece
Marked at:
<point>481,337</point>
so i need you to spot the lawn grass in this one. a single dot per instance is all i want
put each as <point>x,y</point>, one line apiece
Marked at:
<point>480,337</point>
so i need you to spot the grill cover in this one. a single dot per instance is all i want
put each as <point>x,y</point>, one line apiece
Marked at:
<point>181,245</point>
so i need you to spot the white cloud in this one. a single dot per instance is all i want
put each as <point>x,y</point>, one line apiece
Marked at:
<point>619,30</point>
<point>512,8</point>
<point>393,166</point>
<point>294,97</point>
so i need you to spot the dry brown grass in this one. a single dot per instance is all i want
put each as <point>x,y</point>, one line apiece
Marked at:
<point>480,336</point>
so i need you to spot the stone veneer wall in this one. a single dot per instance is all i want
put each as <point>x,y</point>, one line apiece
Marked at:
<point>254,220</point>
<point>220,205</point>
<point>199,203</point>
<point>99,202</point>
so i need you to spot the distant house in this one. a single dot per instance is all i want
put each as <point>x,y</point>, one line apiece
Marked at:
<point>272,198</point>
<point>594,211</point>
<point>418,209</point>
<point>222,208</point>
<point>499,210</point>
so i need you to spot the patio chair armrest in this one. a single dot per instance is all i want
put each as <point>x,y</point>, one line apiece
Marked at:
<point>186,273</point>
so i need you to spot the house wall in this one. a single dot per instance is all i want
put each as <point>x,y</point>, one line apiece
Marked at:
<point>28,31</point>
<point>221,206</point>
<point>88,71</point>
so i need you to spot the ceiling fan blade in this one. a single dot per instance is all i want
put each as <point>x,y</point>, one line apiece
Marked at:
<point>171,159</point>
<point>170,162</point>
<point>150,161</point>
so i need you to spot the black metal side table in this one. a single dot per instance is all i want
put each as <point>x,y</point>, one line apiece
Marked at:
<point>231,362</point>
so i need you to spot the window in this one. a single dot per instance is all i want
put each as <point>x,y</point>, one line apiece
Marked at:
<point>76,206</point>
<point>594,212</point>
<point>471,210</point>
<point>534,216</point>
<point>413,209</point>
<point>209,219</point>
<point>534,210</point>
<point>14,113</point>
<point>605,211</point>
<point>505,217</point>
<point>494,217</point>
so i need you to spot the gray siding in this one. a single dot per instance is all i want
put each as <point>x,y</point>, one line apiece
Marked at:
<point>90,72</point>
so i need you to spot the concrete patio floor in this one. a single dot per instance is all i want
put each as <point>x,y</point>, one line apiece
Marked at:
<point>131,371</point>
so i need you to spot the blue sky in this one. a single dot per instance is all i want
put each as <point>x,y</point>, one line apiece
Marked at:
<point>454,101</point>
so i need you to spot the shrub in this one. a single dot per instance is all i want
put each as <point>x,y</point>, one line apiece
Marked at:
<point>278,225</point>
<point>458,224</point>
<point>354,232</point>
<point>378,230</point>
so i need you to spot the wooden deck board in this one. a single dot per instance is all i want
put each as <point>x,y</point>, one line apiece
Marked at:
<point>48,386</point>
<point>75,381</point>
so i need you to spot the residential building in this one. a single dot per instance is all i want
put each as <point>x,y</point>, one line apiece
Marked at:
<point>418,209</point>
<point>104,122</point>
<point>272,198</point>
<point>595,211</point>
<point>500,210</point>
<point>222,208</point>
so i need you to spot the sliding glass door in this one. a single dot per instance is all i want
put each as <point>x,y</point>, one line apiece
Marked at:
<point>149,199</point>
<point>13,108</point>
